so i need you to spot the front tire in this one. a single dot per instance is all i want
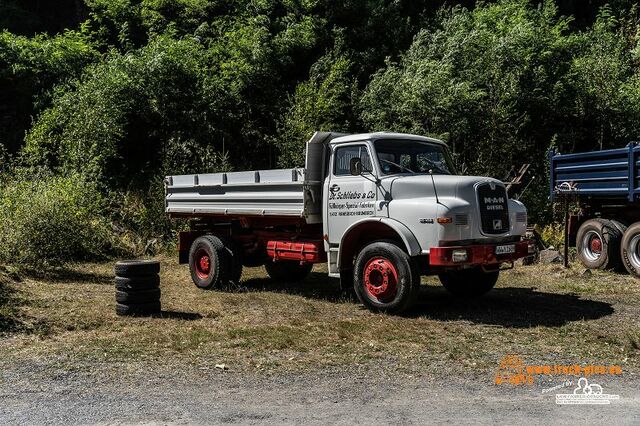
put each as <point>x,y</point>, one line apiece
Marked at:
<point>469,283</point>
<point>385,278</point>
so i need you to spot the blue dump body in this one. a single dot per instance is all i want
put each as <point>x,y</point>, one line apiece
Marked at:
<point>612,173</point>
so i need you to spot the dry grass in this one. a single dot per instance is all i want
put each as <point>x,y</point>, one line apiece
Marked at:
<point>544,313</point>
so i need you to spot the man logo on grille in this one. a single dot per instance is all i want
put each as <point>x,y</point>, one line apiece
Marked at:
<point>497,224</point>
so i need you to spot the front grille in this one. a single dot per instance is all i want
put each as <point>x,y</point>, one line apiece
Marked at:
<point>494,209</point>
<point>461,219</point>
<point>521,217</point>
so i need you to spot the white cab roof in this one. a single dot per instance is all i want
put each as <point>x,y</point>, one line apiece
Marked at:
<point>383,135</point>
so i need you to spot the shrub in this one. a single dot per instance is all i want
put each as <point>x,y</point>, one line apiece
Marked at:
<point>140,223</point>
<point>321,103</point>
<point>48,221</point>
<point>553,235</point>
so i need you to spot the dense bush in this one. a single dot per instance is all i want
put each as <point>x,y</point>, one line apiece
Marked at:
<point>131,118</point>
<point>322,103</point>
<point>47,221</point>
<point>29,69</point>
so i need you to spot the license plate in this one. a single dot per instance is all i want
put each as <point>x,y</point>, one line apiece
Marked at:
<point>511,248</point>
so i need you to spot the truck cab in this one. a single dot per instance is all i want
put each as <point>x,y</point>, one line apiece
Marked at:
<point>407,185</point>
<point>381,209</point>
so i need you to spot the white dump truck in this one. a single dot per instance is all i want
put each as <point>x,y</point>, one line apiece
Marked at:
<point>381,209</point>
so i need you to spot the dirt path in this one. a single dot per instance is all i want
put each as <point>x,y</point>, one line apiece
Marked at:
<point>33,393</point>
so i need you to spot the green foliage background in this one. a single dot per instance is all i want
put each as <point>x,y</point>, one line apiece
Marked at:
<point>115,94</point>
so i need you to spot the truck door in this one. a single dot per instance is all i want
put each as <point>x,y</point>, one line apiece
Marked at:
<point>350,198</point>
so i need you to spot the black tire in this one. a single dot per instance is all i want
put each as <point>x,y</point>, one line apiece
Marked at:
<point>384,267</point>
<point>619,266</point>
<point>138,309</point>
<point>288,271</point>
<point>603,235</point>
<point>219,262</point>
<point>630,249</point>
<point>469,283</point>
<point>139,296</point>
<point>137,283</point>
<point>136,268</point>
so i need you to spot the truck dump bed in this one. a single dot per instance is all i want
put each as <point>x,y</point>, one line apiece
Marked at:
<point>612,173</point>
<point>293,192</point>
<point>283,192</point>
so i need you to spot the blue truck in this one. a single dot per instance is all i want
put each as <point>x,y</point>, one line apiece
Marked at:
<point>605,186</point>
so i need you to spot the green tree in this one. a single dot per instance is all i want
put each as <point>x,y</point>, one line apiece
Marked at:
<point>29,70</point>
<point>322,103</point>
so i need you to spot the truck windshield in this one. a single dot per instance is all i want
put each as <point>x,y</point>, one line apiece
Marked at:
<point>411,156</point>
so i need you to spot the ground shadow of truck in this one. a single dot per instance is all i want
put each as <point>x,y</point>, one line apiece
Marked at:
<point>509,307</point>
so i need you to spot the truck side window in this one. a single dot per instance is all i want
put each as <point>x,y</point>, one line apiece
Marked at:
<point>344,156</point>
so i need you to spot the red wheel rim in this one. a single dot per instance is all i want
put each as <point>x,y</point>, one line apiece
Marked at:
<point>202,264</point>
<point>380,279</point>
<point>596,245</point>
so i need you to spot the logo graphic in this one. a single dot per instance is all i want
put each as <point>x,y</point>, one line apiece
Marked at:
<point>497,224</point>
<point>513,371</point>
<point>585,394</point>
<point>334,189</point>
<point>493,200</point>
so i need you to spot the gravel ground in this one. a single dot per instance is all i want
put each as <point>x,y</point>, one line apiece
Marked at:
<point>47,392</point>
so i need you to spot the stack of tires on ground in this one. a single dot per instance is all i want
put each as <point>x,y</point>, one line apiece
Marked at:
<point>137,287</point>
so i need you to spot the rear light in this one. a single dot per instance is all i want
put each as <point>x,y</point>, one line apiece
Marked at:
<point>459,256</point>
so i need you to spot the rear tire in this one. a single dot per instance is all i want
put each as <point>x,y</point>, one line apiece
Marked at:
<point>385,278</point>
<point>469,283</point>
<point>209,262</point>
<point>288,271</point>
<point>598,243</point>
<point>630,249</point>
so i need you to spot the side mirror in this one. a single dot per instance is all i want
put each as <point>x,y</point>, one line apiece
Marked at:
<point>355,166</point>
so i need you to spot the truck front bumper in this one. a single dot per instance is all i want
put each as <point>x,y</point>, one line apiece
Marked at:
<point>484,254</point>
